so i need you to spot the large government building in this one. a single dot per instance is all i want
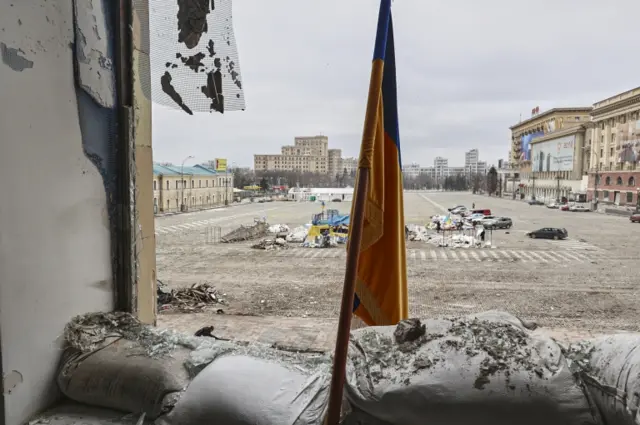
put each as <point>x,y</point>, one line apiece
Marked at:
<point>307,154</point>
<point>581,153</point>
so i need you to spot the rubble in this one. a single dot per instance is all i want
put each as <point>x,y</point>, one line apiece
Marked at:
<point>244,233</point>
<point>277,243</point>
<point>194,298</point>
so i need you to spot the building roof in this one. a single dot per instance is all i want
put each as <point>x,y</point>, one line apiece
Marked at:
<point>551,112</point>
<point>172,170</point>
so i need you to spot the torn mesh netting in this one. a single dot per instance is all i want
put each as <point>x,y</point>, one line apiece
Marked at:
<point>194,56</point>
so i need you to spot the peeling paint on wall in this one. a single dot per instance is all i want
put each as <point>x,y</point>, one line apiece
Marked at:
<point>14,58</point>
<point>10,381</point>
<point>94,52</point>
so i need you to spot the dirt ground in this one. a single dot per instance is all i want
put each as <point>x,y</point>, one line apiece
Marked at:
<point>588,283</point>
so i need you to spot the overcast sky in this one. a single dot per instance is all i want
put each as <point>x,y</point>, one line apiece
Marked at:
<point>466,70</point>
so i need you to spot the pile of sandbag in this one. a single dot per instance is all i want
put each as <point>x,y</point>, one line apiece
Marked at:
<point>480,369</point>
<point>298,235</point>
<point>279,228</point>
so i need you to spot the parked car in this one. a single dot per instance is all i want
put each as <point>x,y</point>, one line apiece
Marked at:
<point>579,208</point>
<point>535,202</point>
<point>479,220</point>
<point>564,207</point>
<point>336,200</point>
<point>459,210</point>
<point>475,216</point>
<point>635,217</point>
<point>549,233</point>
<point>481,211</point>
<point>455,208</point>
<point>552,204</point>
<point>497,223</point>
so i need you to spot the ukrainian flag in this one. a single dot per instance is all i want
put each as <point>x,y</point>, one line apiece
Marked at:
<point>381,284</point>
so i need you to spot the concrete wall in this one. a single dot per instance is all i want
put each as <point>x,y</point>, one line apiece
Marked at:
<point>54,222</point>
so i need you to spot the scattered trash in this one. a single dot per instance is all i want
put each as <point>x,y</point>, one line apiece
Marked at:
<point>194,298</point>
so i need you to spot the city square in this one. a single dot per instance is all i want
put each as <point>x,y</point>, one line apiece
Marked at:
<point>584,284</point>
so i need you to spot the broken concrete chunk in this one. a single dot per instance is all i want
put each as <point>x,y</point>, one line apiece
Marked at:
<point>409,330</point>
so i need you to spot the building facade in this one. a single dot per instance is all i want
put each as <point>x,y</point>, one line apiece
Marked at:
<point>335,162</point>
<point>525,132</point>
<point>613,151</point>
<point>351,165</point>
<point>190,188</point>
<point>558,169</point>
<point>306,155</point>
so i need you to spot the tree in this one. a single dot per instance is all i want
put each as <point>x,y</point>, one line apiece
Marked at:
<point>492,181</point>
<point>476,182</point>
<point>264,184</point>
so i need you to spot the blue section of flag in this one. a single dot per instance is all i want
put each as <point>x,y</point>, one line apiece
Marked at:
<point>383,30</point>
<point>356,302</point>
<point>390,92</point>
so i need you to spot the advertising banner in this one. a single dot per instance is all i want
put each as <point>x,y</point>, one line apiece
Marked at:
<point>221,164</point>
<point>526,144</point>
<point>553,155</point>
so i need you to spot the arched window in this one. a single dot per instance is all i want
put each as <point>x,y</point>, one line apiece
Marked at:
<point>619,181</point>
<point>632,181</point>
<point>607,181</point>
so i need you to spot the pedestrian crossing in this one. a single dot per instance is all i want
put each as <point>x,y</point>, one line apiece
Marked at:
<point>437,255</point>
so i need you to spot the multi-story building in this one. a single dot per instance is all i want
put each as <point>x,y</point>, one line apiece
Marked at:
<point>441,166</point>
<point>308,154</point>
<point>613,151</point>
<point>521,180</point>
<point>471,159</point>
<point>188,188</point>
<point>412,170</point>
<point>335,162</point>
<point>351,165</point>
<point>454,171</point>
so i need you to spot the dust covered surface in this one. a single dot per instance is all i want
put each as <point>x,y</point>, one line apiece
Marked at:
<point>92,331</point>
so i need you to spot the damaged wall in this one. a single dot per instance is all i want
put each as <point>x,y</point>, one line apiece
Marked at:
<point>55,259</point>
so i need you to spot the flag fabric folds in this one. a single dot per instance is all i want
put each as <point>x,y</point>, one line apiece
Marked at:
<point>381,284</point>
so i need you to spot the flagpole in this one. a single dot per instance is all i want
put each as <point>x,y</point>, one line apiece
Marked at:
<point>357,221</point>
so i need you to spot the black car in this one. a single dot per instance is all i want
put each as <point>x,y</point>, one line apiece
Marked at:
<point>455,208</point>
<point>549,233</point>
<point>535,202</point>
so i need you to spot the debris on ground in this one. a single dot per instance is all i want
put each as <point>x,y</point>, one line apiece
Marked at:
<point>298,234</point>
<point>208,331</point>
<point>245,233</point>
<point>279,228</point>
<point>277,243</point>
<point>409,330</point>
<point>194,298</point>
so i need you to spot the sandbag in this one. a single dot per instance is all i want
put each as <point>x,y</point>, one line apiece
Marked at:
<point>242,390</point>
<point>482,369</point>
<point>610,368</point>
<point>119,375</point>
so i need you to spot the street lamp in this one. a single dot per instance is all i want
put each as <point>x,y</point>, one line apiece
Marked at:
<point>182,207</point>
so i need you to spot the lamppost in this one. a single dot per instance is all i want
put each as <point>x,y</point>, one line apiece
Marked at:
<point>182,207</point>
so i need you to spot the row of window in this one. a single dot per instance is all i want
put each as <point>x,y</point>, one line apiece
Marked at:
<point>221,182</point>
<point>605,195</point>
<point>193,201</point>
<point>607,181</point>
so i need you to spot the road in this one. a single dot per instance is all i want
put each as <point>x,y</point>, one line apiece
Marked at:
<point>589,281</point>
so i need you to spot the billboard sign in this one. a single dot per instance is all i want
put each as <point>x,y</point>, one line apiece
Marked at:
<point>221,164</point>
<point>526,144</point>
<point>553,155</point>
